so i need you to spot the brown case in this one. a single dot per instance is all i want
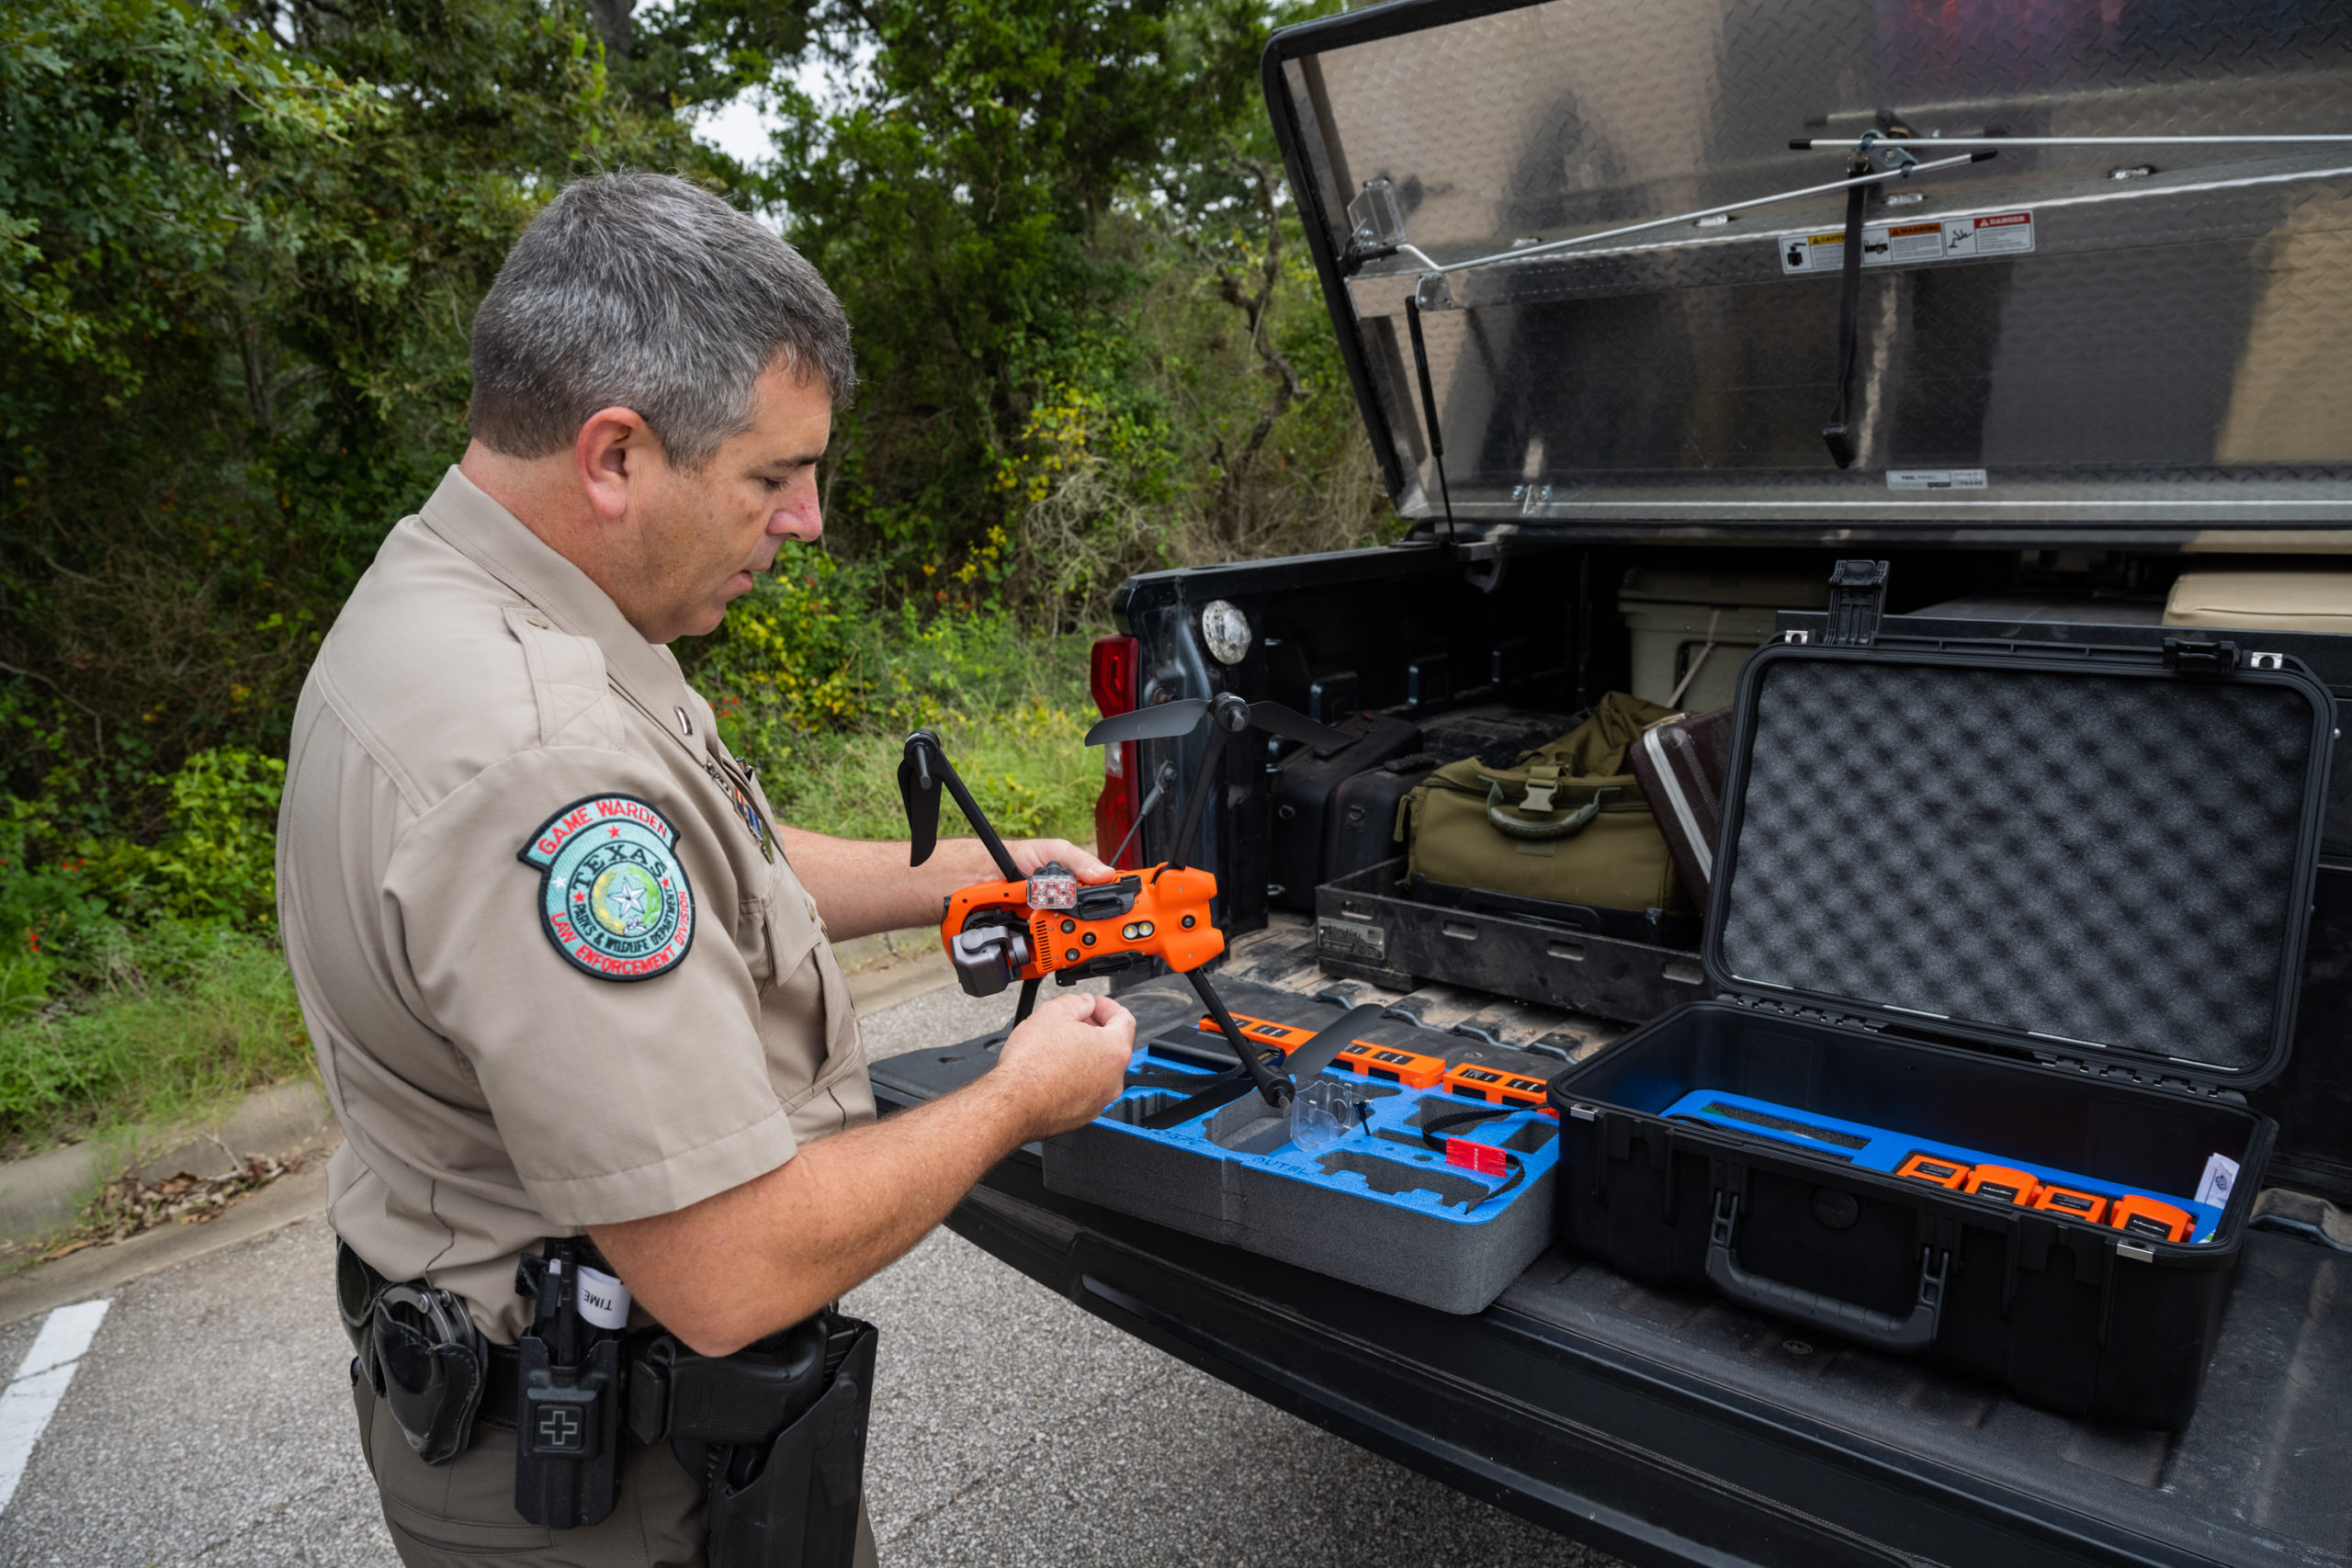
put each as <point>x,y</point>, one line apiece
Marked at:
<point>1681,763</point>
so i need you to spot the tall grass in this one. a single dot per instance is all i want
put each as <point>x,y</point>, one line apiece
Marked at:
<point>216,1020</point>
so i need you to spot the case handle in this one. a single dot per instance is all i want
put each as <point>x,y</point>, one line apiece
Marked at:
<point>1882,1330</point>
<point>1519,828</point>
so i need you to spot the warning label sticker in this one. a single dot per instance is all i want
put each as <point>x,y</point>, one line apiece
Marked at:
<point>1935,479</point>
<point>1922,240</point>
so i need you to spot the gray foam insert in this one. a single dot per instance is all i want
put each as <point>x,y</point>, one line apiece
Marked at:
<point>2103,858</point>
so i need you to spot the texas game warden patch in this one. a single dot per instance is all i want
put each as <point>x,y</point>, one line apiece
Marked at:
<point>613,897</point>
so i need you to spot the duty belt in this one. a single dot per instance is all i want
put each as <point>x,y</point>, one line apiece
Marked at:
<point>671,1394</point>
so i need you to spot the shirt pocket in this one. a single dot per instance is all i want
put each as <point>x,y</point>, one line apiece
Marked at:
<point>790,931</point>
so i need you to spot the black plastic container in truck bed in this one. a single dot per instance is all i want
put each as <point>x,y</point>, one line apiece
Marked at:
<point>1670,1426</point>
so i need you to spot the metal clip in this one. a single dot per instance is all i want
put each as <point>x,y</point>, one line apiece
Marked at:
<point>2266,660</point>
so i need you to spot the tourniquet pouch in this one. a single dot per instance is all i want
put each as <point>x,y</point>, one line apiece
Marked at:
<point>792,1503</point>
<point>1997,940</point>
<point>1566,824</point>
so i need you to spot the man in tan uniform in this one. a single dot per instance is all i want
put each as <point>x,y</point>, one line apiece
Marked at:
<point>565,972</point>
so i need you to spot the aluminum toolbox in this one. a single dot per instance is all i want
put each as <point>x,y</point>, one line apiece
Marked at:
<point>2048,904</point>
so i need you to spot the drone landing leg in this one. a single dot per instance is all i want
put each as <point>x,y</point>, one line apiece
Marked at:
<point>1028,1003</point>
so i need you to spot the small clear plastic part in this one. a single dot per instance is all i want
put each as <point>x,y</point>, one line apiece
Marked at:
<point>1320,1115</point>
<point>1052,887</point>
<point>1226,630</point>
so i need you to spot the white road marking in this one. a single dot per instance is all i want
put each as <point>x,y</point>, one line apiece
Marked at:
<point>33,1397</point>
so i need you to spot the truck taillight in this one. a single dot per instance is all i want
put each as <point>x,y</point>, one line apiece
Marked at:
<point>1112,677</point>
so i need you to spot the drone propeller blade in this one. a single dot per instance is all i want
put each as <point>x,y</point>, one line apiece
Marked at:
<point>919,789</point>
<point>1291,724</point>
<point>1158,722</point>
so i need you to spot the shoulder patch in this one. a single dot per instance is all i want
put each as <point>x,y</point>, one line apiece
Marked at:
<point>613,895</point>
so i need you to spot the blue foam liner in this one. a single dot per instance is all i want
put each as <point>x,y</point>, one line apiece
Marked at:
<point>1393,1112</point>
<point>1882,1151</point>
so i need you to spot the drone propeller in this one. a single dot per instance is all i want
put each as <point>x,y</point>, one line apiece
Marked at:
<point>1291,724</point>
<point>918,790</point>
<point>921,770</point>
<point>1164,721</point>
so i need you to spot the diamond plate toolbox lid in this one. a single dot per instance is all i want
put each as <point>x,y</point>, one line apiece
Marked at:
<point>1622,313</point>
<point>2081,854</point>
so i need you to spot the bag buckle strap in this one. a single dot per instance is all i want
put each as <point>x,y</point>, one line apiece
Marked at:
<point>1542,780</point>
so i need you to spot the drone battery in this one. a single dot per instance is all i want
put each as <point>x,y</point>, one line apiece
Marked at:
<point>2145,1216</point>
<point>2001,1185</point>
<point>2085,1206</point>
<point>1927,1168</point>
<point>1473,1082</point>
<point>1387,1064</point>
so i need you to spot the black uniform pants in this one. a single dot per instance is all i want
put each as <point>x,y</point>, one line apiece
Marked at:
<point>461,1514</point>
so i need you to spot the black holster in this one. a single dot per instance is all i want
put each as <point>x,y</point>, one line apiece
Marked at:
<point>797,1506</point>
<point>777,1433</point>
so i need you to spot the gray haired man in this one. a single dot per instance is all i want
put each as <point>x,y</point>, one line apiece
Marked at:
<point>607,1155</point>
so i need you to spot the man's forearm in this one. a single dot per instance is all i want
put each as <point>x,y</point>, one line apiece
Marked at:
<point>830,1218</point>
<point>864,885</point>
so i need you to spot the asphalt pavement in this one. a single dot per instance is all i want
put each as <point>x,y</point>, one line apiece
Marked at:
<point>210,1423</point>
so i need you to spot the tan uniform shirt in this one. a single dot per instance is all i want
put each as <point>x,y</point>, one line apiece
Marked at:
<point>555,968</point>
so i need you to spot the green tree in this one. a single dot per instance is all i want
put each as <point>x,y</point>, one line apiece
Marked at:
<point>240,248</point>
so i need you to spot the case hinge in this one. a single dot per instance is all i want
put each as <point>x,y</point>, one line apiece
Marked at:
<point>1857,598</point>
<point>2195,656</point>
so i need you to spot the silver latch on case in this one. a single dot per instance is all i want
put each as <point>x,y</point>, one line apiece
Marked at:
<point>1796,636</point>
<point>2267,660</point>
<point>2139,1252</point>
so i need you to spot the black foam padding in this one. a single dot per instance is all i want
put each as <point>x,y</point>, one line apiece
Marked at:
<point>2101,858</point>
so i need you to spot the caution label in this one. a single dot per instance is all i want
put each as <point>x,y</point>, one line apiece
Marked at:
<point>1904,244</point>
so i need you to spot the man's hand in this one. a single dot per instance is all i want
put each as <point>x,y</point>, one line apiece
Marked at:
<point>1031,853</point>
<point>1067,1060</point>
<point>749,1260</point>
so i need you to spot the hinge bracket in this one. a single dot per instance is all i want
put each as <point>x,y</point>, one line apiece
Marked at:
<point>1857,599</point>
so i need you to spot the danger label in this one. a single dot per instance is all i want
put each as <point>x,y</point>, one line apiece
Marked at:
<point>1904,244</point>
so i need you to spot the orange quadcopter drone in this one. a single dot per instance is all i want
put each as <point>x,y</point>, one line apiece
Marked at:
<point>1048,923</point>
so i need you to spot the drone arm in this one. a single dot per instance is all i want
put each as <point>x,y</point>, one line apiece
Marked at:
<point>1274,1086</point>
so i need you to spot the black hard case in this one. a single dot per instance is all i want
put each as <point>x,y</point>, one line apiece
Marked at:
<point>1306,819</point>
<point>2033,839</point>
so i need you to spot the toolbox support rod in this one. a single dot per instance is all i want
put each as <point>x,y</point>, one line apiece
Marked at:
<point>1875,140</point>
<point>1415,253</point>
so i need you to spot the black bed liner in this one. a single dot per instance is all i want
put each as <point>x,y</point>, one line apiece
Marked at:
<point>1677,1427</point>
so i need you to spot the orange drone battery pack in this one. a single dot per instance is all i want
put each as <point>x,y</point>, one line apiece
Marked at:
<point>2001,1185</point>
<point>2145,1216</point>
<point>1385,1063</point>
<point>1265,1031</point>
<point>1497,1086</point>
<point>1936,1169</point>
<point>2085,1206</point>
<point>1389,1064</point>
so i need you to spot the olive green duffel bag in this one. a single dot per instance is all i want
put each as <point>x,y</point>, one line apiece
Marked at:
<point>1568,824</point>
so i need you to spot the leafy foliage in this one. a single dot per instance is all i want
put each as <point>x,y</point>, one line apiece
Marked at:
<point>241,242</point>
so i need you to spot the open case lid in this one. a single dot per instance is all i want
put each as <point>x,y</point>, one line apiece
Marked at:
<point>2150,333</point>
<point>2073,851</point>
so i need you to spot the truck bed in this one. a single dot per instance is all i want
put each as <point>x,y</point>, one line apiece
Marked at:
<point>1674,1428</point>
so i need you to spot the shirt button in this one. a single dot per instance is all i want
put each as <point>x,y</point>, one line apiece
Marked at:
<point>539,623</point>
